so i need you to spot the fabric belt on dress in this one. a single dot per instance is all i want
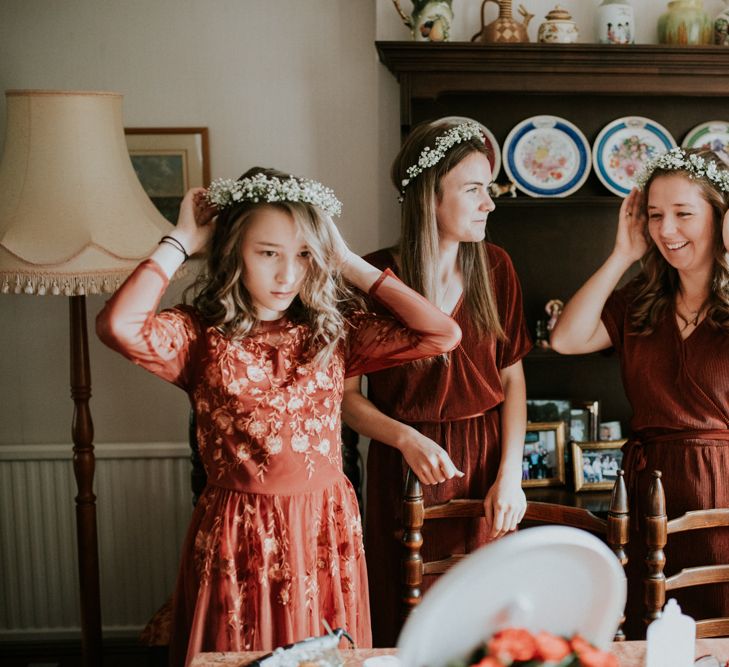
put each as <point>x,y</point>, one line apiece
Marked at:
<point>635,461</point>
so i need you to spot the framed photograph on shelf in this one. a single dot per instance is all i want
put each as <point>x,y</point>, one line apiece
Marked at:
<point>596,464</point>
<point>169,161</point>
<point>584,421</point>
<point>543,460</point>
<point>548,410</point>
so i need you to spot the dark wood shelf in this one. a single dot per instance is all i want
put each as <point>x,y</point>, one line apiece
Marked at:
<point>522,200</point>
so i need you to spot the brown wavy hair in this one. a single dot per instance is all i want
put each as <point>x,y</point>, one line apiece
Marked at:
<point>418,246</point>
<point>223,300</point>
<point>658,282</point>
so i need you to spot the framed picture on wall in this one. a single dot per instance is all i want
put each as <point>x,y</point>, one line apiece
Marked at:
<point>168,161</point>
<point>596,464</point>
<point>543,460</point>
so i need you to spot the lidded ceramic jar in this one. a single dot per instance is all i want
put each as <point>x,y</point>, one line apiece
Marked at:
<point>615,22</point>
<point>559,28</point>
<point>684,23</point>
<point>721,26</point>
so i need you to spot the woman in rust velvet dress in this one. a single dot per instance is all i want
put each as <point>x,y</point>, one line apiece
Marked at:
<point>670,327</point>
<point>458,422</point>
<point>275,543</point>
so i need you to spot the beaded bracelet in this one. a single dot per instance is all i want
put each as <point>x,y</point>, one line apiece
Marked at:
<point>171,240</point>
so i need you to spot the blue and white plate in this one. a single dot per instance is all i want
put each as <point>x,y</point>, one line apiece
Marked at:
<point>713,134</point>
<point>623,147</point>
<point>546,156</point>
<point>488,138</point>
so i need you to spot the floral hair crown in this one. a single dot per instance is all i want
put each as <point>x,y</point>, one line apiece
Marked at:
<point>429,157</point>
<point>694,165</point>
<point>224,192</point>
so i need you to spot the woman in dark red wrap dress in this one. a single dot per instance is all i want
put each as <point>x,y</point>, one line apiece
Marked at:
<point>670,327</point>
<point>459,422</point>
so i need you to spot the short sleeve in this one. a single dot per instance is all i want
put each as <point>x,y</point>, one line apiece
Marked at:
<point>510,303</point>
<point>614,315</point>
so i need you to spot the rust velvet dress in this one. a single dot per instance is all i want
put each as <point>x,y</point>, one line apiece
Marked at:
<point>679,392</point>
<point>275,542</point>
<point>457,406</point>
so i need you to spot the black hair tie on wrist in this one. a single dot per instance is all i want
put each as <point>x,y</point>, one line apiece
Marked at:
<point>171,240</point>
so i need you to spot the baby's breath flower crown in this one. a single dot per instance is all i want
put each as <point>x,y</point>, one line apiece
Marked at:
<point>694,165</point>
<point>429,157</point>
<point>224,192</point>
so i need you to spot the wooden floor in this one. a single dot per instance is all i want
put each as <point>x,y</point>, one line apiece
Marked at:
<point>117,653</point>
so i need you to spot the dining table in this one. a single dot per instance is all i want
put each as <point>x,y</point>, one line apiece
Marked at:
<point>629,654</point>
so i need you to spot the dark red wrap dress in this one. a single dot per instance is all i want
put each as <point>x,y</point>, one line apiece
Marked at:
<point>679,392</point>
<point>457,406</point>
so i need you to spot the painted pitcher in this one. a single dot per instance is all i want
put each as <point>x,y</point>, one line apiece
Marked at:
<point>504,28</point>
<point>430,21</point>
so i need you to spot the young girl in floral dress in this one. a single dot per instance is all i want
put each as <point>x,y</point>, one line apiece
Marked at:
<point>458,423</point>
<point>274,548</point>
<point>670,328</point>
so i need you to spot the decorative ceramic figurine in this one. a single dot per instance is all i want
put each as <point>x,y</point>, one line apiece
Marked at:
<point>559,28</point>
<point>504,28</point>
<point>721,26</point>
<point>615,23</point>
<point>684,23</point>
<point>431,19</point>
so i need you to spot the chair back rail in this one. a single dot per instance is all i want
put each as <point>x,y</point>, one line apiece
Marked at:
<point>614,530</point>
<point>656,584</point>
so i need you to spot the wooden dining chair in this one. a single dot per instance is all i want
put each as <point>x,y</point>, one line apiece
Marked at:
<point>614,531</point>
<point>658,531</point>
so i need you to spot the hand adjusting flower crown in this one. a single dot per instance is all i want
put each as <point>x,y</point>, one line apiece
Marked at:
<point>224,192</point>
<point>694,165</point>
<point>429,157</point>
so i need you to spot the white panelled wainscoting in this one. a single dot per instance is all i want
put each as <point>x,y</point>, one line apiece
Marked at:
<point>144,503</point>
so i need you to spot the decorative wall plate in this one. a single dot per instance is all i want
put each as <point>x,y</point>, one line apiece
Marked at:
<point>713,134</point>
<point>551,578</point>
<point>547,156</point>
<point>623,147</point>
<point>489,140</point>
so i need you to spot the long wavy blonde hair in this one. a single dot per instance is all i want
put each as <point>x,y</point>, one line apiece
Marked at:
<point>658,282</point>
<point>223,300</point>
<point>418,245</point>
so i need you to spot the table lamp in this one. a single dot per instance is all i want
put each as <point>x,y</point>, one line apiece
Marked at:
<point>74,220</point>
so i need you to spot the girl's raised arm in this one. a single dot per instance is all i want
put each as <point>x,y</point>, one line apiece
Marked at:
<point>580,329</point>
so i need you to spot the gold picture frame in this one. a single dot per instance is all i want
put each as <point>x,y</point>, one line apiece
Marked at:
<point>168,162</point>
<point>543,459</point>
<point>607,453</point>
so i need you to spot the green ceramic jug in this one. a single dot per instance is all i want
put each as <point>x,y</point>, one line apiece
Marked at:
<point>685,22</point>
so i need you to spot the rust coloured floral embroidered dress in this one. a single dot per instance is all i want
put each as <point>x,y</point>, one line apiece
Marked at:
<point>275,542</point>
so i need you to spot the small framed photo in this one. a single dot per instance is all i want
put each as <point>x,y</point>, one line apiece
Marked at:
<point>596,464</point>
<point>584,421</point>
<point>543,460</point>
<point>169,161</point>
<point>548,410</point>
<point>610,431</point>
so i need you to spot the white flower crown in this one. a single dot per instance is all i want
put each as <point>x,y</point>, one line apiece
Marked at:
<point>224,192</point>
<point>694,165</point>
<point>429,157</point>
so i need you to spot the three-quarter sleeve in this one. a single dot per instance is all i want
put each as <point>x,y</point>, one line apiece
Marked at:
<point>160,343</point>
<point>415,329</point>
<point>511,309</point>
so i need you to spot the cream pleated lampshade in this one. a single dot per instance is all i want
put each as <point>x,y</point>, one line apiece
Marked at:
<point>74,218</point>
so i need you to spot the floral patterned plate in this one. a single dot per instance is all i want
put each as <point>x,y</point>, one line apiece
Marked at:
<point>714,135</point>
<point>488,138</point>
<point>623,147</point>
<point>546,156</point>
<point>549,578</point>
